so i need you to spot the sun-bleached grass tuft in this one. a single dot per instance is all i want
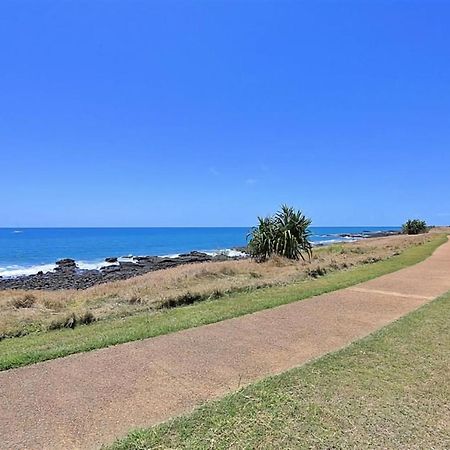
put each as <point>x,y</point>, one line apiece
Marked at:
<point>26,300</point>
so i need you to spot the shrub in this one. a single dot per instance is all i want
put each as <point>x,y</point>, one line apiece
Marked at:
<point>71,320</point>
<point>227,271</point>
<point>285,234</point>
<point>317,272</point>
<point>24,301</point>
<point>68,321</point>
<point>255,275</point>
<point>187,298</point>
<point>217,293</point>
<point>371,260</point>
<point>134,299</point>
<point>85,318</point>
<point>54,303</point>
<point>414,226</point>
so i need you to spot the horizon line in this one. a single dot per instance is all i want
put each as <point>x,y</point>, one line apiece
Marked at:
<point>197,226</point>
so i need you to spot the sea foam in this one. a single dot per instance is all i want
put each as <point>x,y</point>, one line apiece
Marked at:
<point>17,271</point>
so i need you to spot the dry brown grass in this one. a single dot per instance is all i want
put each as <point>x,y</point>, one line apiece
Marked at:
<point>182,285</point>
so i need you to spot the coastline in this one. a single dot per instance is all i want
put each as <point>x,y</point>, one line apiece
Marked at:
<point>24,311</point>
<point>70,274</point>
<point>119,311</point>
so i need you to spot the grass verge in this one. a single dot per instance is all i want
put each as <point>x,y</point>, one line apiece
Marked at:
<point>16,352</point>
<point>389,390</point>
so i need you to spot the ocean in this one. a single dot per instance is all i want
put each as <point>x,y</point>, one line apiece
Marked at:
<point>25,251</point>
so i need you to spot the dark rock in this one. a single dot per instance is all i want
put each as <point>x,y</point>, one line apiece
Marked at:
<point>65,265</point>
<point>130,265</point>
<point>67,262</point>
<point>376,234</point>
<point>68,276</point>
<point>111,259</point>
<point>370,234</point>
<point>110,269</point>
<point>194,254</point>
<point>147,259</point>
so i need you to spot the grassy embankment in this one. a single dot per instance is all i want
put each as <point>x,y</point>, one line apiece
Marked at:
<point>389,390</point>
<point>23,311</point>
<point>15,352</point>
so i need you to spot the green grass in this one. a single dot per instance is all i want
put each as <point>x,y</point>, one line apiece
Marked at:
<point>42,346</point>
<point>388,391</point>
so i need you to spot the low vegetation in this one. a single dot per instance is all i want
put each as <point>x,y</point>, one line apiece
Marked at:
<point>389,390</point>
<point>24,312</point>
<point>284,234</point>
<point>41,346</point>
<point>415,226</point>
<point>26,300</point>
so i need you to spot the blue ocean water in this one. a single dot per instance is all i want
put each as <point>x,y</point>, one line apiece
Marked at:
<point>27,250</point>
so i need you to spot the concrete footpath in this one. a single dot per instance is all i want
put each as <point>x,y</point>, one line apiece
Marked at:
<point>90,399</point>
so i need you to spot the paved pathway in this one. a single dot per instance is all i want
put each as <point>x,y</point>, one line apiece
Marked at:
<point>85,400</point>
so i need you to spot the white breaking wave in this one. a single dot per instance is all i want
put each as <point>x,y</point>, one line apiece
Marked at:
<point>336,241</point>
<point>227,252</point>
<point>95,265</point>
<point>17,271</point>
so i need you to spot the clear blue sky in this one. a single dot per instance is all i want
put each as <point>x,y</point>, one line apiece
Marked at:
<point>196,113</point>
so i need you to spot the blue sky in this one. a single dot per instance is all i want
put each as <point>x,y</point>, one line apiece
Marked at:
<point>126,113</point>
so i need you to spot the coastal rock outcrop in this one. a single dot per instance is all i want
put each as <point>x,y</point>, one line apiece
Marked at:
<point>370,234</point>
<point>66,263</point>
<point>67,275</point>
<point>111,259</point>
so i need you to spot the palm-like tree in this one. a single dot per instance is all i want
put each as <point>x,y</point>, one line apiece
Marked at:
<point>285,234</point>
<point>292,233</point>
<point>262,239</point>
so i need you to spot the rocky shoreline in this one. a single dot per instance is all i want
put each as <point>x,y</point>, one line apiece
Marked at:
<point>68,276</point>
<point>371,234</point>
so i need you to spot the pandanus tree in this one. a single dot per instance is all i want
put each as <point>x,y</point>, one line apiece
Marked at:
<point>286,234</point>
<point>262,241</point>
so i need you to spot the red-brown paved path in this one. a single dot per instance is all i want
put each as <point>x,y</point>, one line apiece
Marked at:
<point>85,400</point>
